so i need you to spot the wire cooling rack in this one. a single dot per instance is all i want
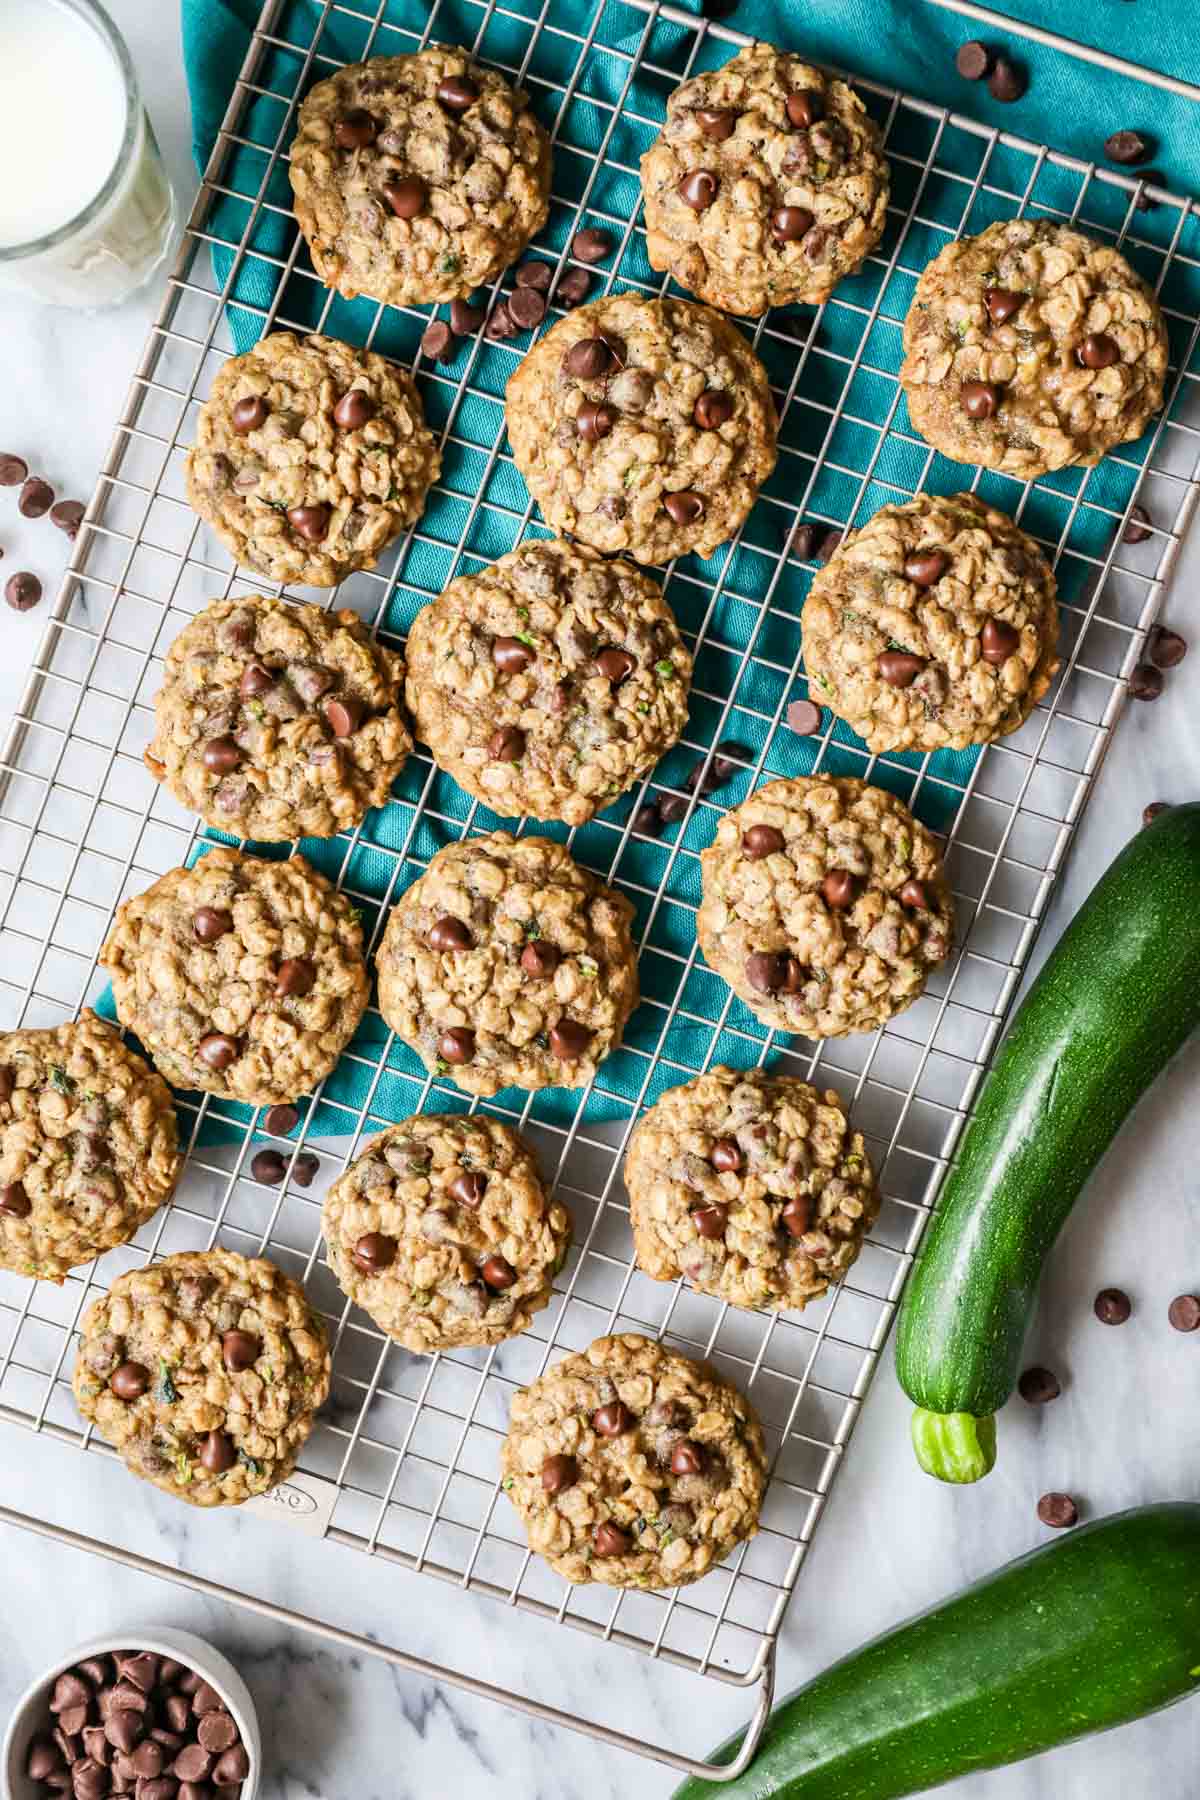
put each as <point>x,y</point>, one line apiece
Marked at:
<point>403,1462</point>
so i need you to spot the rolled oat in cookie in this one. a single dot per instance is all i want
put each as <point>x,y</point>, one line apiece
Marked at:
<point>277,721</point>
<point>766,185</point>
<point>644,426</point>
<point>310,457</point>
<point>633,1465</point>
<point>825,905</point>
<point>507,965</point>
<point>444,1232</point>
<point>935,626</point>
<point>204,1371</point>
<point>242,977</point>
<point>550,682</point>
<point>88,1145</point>
<point>751,1184</point>
<point>1031,347</point>
<point>418,178</point>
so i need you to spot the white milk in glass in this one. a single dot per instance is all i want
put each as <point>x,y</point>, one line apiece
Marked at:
<point>85,208</point>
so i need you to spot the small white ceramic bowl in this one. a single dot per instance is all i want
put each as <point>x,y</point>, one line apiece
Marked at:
<point>32,1709</point>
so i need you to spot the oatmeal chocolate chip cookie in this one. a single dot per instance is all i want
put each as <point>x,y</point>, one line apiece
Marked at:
<point>549,682</point>
<point>825,906</point>
<point>643,425</point>
<point>753,1185</point>
<point>633,1465</point>
<point>310,457</point>
<point>935,626</point>
<point>242,977</point>
<point>204,1371</point>
<point>1030,347</point>
<point>278,721</point>
<point>443,1231</point>
<point>766,184</point>
<point>418,178</point>
<point>88,1147</point>
<point>507,965</point>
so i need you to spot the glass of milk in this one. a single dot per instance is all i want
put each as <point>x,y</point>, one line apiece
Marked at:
<point>86,212</point>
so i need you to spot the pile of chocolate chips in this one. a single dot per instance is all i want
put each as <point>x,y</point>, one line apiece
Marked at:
<point>139,1724</point>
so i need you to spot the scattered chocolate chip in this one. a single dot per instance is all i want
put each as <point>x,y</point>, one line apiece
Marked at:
<point>789,223</point>
<point>647,819</point>
<point>913,895</point>
<point>803,717</point>
<point>526,307</point>
<point>979,399</point>
<point>899,668</point>
<point>68,516</point>
<point>973,60</point>
<point>1008,79</point>
<point>829,541</point>
<point>1058,1510</point>
<point>710,1220</point>
<point>671,808</point>
<point>280,1120</point>
<point>304,1168</point>
<point>355,129</point>
<point>458,93</point>
<point>468,1187</point>
<point>609,1540</point>
<point>22,590</point>
<point>437,342</point>
<point>726,1156</point>
<point>344,716</point>
<point>573,288</point>
<point>1129,147</point>
<point>129,1380</point>
<point>374,1252</point>
<point>1146,682</point>
<point>839,888</point>
<point>760,841</point>
<point>591,245</point>
<point>1098,351</point>
<point>14,1201</point>
<point>615,665</point>
<point>309,522</point>
<point>595,420</point>
<point>1184,1312</point>
<point>217,1453</point>
<point>450,935</point>
<point>588,358</point>
<point>499,323</point>
<point>249,413</point>
<point>496,1273</point>
<point>698,189</point>
<point>456,1045</point>
<point>268,1166</point>
<point>537,275</point>
<point>804,107</point>
<point>998,641</point>
<point>926,567</point>
<point>540,959</point>
<point>1037,1386</point>
<point>218,1050</point>
<point>684,507</point>
<point>465,318</point>
<point>13,469</point>
<point>804,539</point>
<point>1112,1307</point>
<point>1167,648</point>
<point>612,1420</point>
<point>569,1039</point>
<point>507,744</point>
<point>559,1473</point>
<point>240,1350</point>
<point>796,1216</point>
<point>1137,530</point>
<point>36,498</point>
<point>713,409</point>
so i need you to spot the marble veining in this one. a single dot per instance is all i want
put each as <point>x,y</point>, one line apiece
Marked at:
<point>342,1726</point>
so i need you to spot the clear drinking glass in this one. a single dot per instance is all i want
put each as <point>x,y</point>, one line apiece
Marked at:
<point>86,210</point>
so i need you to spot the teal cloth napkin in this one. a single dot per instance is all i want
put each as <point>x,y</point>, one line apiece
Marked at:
<point>894,41</point>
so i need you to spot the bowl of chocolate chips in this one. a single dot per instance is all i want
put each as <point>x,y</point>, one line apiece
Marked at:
<point>153,1713</point>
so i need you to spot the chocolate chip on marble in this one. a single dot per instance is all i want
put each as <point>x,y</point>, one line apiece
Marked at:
<point>13,469</point>
<point>1038,1386</point>
<point>36,498</point>
<point>1129,147</point>
<point>1167,648</point>
<point>1058,1510</point>
<point>67,515</point>
<point>269,1167</point>
<point>1112,1306</point>
<point>456,1045</point>
<point>973,60</point>
<point>1137,529</point>
<point>22,590</point>
<point>1008,79</point>
<point>1146,682</point>
<point>438,343</point>
<point>1184,1312</point>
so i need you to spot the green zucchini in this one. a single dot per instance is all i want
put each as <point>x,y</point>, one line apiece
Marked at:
<point>1091,1631</point>
<point>1116,998</point>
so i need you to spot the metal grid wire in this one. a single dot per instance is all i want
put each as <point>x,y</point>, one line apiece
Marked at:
<point>412,1443</point>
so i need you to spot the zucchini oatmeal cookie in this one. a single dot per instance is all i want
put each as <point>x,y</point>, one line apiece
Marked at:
<point>418,178</point>
<point>204,1371</point>
<point>767,183</point>
<point>278,721</point>
<point>825,905</point>
<point>242,977</point>
<point>550,682</point>
<point>643,425</point>
<point>310,457</point>
<point>443,1231</point>
<point>1031,347</point>
<point>751,1184</point>
<point>935,626</point>
<point>88,1145</point>
<point>507,965</point>
<point>633,1465</point>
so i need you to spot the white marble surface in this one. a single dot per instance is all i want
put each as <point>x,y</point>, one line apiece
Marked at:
<point>342,1727</point>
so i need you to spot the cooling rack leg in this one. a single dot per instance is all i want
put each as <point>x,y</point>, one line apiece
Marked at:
<point>402,1659</point>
